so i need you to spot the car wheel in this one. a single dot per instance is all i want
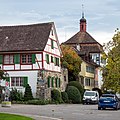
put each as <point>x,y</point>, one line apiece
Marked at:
<point>116,108</point>
<point>103,108</point>
<point>99,108</point>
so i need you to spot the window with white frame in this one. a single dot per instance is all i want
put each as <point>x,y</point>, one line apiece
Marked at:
<point>8,59</point>
<point>26,59</point>
<point>17,81</point>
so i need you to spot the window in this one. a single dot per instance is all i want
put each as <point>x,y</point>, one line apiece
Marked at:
<point>87,82</point>
<point>59,82</point>
<point>90,69</point>
<point>19,81</point>
<point>26,59</point>
<point>56,61</point>
<point>82,27</point>
<point>8,59</point>
<point>48,81</point>
<point>65,78</point>
<point>52,82</point>
<point>56,82</point>
<point>52,59</point>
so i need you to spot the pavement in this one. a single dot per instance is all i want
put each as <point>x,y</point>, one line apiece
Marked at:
<point>62,112</point>
<point>35,117</point>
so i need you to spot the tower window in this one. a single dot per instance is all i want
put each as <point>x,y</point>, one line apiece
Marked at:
<point>82,27</point>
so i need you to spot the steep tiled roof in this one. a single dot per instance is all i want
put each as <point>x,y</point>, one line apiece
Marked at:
<point>24,37</point>
<point>91,49</point>
<point>81,37</point>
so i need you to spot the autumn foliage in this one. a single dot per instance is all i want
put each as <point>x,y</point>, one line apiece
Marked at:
<point>111,72</point>
<point>71,61</point>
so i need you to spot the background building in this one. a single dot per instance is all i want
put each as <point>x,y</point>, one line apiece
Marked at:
<point>90,52</point>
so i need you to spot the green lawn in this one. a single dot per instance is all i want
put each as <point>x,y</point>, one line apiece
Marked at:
<point>5,116</point>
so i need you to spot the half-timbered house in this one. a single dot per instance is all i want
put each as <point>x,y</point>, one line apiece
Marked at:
<point>31,55</point>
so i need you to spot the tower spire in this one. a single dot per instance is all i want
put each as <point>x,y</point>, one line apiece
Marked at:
<point>83,21</point>
<point>82,11</point>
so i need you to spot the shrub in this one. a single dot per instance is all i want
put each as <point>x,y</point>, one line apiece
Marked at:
<point>28,93</point>
<point>38,102</point>
<point>56,96</point>
<point>64,97</point>
<point>73,94</point>
<point>78,86</point>
<point>16,95</point>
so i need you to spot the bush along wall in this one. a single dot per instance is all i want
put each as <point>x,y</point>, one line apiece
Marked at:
<point>78,86</point>
<point>65,97</point>
<point>56,96</point>
<point>73,94</point>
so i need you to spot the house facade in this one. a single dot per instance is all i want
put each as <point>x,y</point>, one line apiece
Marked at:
<point>90,52</point>
<point>30,54</point>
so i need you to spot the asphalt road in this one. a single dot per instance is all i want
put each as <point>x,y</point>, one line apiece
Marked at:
<point>63,112</point>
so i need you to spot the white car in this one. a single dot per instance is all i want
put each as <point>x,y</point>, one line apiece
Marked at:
<point>90,97</point>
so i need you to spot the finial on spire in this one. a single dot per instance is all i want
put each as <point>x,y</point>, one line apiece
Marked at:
<point>82,11</point>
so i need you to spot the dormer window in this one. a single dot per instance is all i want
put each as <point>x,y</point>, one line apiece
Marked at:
<point>78,47</point>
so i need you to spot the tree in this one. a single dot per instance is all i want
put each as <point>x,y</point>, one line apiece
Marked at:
<point>71,61</point>
<point>111,73</point>
<point>2,75</point>
<point>28,93</point>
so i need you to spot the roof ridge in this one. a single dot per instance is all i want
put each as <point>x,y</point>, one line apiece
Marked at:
<point>31,24</point>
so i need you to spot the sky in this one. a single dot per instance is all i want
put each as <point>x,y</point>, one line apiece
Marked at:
<point>103,16</point>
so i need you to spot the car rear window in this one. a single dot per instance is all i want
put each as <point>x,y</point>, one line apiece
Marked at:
<point>108,96</point>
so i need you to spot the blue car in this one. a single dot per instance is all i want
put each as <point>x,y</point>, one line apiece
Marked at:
<point>109,101</point>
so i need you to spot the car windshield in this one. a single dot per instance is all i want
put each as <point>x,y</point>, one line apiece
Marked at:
<point>89,94</point>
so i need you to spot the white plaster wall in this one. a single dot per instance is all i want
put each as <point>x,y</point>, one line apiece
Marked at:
<point>32,79</point>
<point>100,82</point>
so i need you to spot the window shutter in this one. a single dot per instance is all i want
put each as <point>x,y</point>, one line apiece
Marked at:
<point>52,82</point>
<point>17,58</point>
<point>1,59</point>
<point>58,62</point>
<point>25,82</point>
<point>55,61</point>
<point>33,58</point>
<point>52,44</point>
<point>48,81</point>
<point>47,58</point>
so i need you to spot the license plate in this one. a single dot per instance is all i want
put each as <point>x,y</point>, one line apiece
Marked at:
<point>106,101</point>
